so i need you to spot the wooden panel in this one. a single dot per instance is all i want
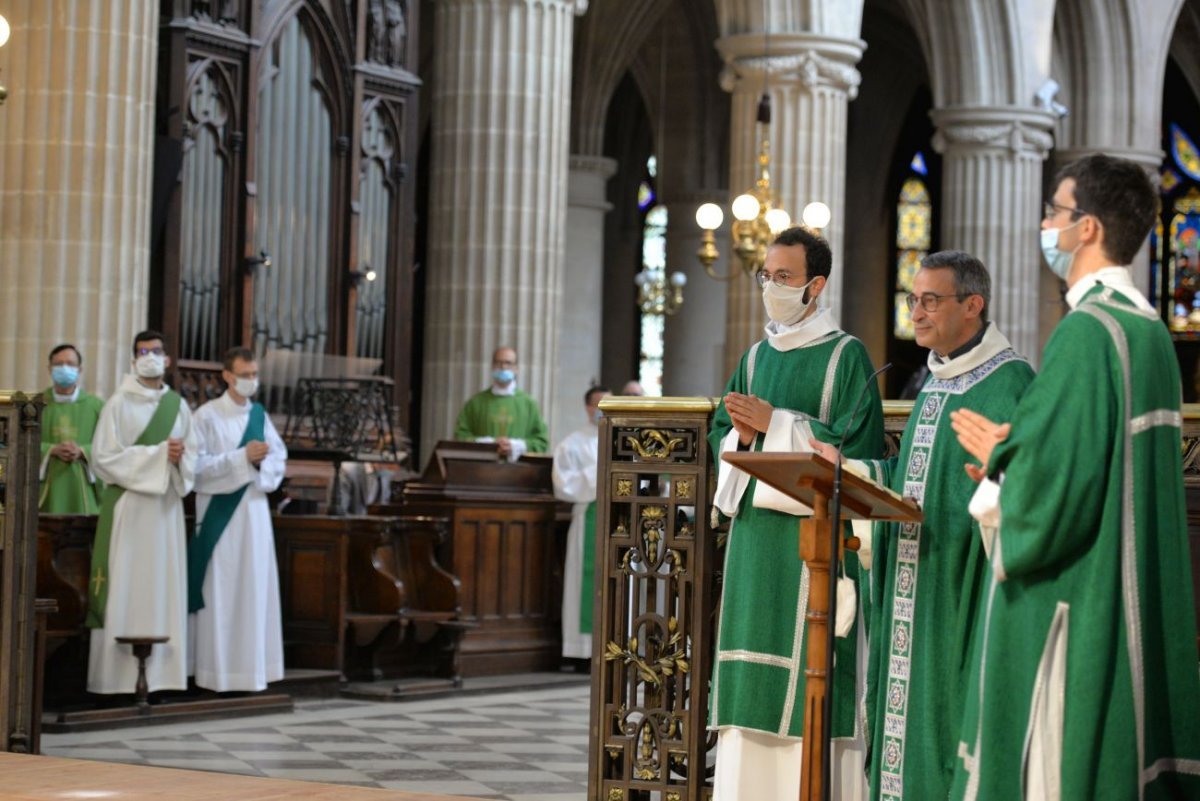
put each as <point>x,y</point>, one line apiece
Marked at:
<point>51,777</point>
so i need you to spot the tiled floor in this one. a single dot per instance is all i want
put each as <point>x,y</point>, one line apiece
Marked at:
<point>516,745</point>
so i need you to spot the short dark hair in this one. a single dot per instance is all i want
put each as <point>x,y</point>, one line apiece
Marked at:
<point>65,346</point>
<point>970,276</point>
<point>1119,194</point>
<point>817,255</point>
<point>592,390</point>
<point>235,353</point>
<point>146,336</point>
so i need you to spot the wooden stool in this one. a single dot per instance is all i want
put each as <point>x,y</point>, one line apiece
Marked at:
<point>141,649</point>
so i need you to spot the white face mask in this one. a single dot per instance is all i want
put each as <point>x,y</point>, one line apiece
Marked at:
<point>151,365</point>
<point>786,304</point>
<point>246,387</point>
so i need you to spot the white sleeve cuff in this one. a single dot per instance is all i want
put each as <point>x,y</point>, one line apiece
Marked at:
<point>985,507</point>
<point>517,449</point>
<point>731,482</point>
<point>787,433</point>
<point>865,531</point>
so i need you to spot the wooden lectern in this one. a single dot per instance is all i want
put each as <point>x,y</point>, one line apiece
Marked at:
<point>808,478</point>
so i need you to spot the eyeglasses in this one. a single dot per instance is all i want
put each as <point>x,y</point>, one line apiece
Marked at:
<point>150,351</point>
<point>1050,208</point>
<point>780,278</point>
<point>929,301</point>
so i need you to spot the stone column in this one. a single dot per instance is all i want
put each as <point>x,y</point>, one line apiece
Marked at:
<point>810,78</point>
<point>76,156</point>
<point>992,205</point>
<point>498,198</point>
<point>583,289</point>
<point>694,337</point>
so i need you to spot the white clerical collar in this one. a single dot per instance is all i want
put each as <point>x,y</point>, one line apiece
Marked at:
<point>70,397</point>
<point>507,391</point>
<point>992,343</point>
<point>810,329</point>
<point>131,385</point>
<point>1117,278</point>
<point>232,404</point>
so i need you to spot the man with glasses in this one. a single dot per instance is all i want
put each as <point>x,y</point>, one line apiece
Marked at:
<point>798,384</point>
<point>145,451</point>
<point>926,578</point>
<point>504,414</point>
<point>1083,681</point>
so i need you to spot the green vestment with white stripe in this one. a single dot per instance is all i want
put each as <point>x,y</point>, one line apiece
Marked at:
<point>1083,681</point>
<point>926,578</point>
<point>758,678</point>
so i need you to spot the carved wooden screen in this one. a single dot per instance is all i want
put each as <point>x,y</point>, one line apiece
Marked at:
<point>656,558</point>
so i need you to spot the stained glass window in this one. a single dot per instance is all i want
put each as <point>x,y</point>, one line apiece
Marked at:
<point>914,233</point>
<point>1175,240</point>
<point>1185,152</point>
<point>654,265</point>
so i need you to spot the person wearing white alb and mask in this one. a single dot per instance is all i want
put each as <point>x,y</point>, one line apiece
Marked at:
<point>796,386</point>
<point>574,474</point>
<point>145,452</point>
<point>233,579</point>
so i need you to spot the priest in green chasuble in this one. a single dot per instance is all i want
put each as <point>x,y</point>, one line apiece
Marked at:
<point>1083,682</point>
<point>68,424</point>
<point>926,578</point>
<point>504,414</point>
<point>798,384</point>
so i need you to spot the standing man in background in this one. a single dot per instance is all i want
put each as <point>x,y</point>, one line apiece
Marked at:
<point>504,414</point>
<point>233,580</point>
<point>68,425</point>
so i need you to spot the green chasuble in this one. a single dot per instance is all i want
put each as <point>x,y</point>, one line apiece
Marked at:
<point>516,416</point>
<point>66,489</point>
<point>1083,681</point>
<point>758,678</point>
<point>926,578</point>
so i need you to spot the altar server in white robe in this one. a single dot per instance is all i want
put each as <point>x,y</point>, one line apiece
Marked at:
<point>238,641</point>
<point>145,451</point>
<point>574,476</point>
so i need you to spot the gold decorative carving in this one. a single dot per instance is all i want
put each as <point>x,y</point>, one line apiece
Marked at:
<point>624,487</point>
<point>683,488</point>
<point>654,444</point>
<point>665,659</point>
<point>674,796</point>
<point>616,794</point>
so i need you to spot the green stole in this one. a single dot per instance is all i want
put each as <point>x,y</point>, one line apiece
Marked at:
<point>216,519</point>
<point>588,579</point>
<point>156,432</point>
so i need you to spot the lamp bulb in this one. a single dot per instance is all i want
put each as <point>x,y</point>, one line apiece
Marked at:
<point>678,279</point>
<point>5,30</point>
<point>816,215</point>
<point>709,216</point>
<point>778,220</point>
<point>745,207</point>
<point>372,275</point>
<point>641,278</point>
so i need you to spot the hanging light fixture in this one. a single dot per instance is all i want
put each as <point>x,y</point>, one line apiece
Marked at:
<point>659,293</point>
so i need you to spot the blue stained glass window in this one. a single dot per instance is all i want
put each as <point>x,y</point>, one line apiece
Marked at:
<point>918,164</point>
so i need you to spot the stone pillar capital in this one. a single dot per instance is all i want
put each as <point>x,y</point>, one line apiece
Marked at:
<point>806,59</point>
<point>587,177</point>
<point>1017,130</point>
<point>601,166</point>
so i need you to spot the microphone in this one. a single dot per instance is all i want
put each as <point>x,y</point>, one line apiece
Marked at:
<point>835,517</point>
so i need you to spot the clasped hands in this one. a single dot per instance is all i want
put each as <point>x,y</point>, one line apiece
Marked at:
<point>749,414</point>
<point>67,451</point>
<point>256,451</point>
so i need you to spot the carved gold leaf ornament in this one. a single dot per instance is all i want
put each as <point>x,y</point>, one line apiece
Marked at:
<point>616,794</point>
<point>683,488</point>
<point>664,661</point>
<point>654,444</point>
<point>624,486</point>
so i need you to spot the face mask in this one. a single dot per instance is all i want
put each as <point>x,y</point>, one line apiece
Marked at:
<point>597,416</point>
<point>152,365</point>
<point>786,304</point>
<point>246,387</point>
<point>64,375</point>
<point>1059,261</point>
<point>503,376</point>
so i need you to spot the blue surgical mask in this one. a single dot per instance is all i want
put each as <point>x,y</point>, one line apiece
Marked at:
<point>64,375</point>
<point>1059,261</point>
<point>597,416</point>
<point>503,376</point>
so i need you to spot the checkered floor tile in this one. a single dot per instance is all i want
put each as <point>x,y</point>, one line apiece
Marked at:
<point>520,746</point>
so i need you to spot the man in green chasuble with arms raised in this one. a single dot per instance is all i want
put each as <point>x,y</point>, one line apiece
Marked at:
<point>1083,681</point>
<point>798,384</point>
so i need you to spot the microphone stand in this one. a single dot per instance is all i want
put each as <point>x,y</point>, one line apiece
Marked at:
<point>835,517</point>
